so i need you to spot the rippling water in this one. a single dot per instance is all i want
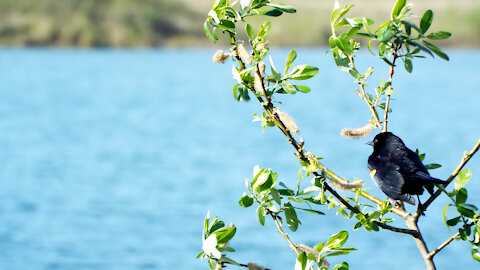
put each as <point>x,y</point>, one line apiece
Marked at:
<point>110,159</point>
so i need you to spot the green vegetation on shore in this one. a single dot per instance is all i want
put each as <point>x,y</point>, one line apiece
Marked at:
<point>128,23</point>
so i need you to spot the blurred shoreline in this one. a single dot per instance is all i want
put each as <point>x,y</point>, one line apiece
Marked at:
<point>178,23</point>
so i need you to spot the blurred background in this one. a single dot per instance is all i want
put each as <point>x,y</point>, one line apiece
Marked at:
<point>124,23</point>
<point>118,133</point>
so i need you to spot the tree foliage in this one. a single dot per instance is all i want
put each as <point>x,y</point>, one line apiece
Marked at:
<point>400,38</point>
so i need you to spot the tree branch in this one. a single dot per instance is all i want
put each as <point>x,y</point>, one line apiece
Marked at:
<point>463,162</point>
<point>444,244</point>
<point>412,223</point>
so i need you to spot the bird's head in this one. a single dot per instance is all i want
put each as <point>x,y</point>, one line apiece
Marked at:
<point>385,139</point>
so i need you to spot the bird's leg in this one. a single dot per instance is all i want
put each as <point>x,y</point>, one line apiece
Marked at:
<point>398,204</point>
<point>420,206</point>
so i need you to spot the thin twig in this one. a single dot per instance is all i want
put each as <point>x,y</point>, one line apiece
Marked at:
<point>444,244</point>
<point>279,227</point>
<point>392,68</point>
<point>463,162</point>
<point>292,245</point>
<point>370,106</point>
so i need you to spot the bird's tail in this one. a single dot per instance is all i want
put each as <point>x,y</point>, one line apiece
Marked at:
<point>427,178</point>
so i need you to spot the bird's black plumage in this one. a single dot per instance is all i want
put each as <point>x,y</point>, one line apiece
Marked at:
<point>397,170</point>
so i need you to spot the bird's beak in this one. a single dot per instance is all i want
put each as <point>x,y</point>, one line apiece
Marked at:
<point>370,143</point>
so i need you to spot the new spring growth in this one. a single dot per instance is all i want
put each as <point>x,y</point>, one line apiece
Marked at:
<point>313,164</point>
<point>261,46</point>
<point>220,56</point>
<point>288,121</point>
<point>358,132</point>
<point>243,54</point>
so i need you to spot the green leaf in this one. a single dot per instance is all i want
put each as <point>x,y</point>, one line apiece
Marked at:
<point>467,210</point>
<point>261,214</point>
<point>246,201</point>
<point>302,72</point>
<point>410,24</point>
<point>225,234</point>
<point>290,58</point>
<point>439,35</point>
<point>291,217</point>
<point>302,259</point>
<point>357,226</point>
<point>445,214</point>
<point>276,75</point>
<point>476,253</point>
<point>408,66</point>
<point>227,25</point>
<point>344,46</point>
<point>212,264</point>
<point>398,8</point>
<point>426,21</point>
<point>276,196</point>
<point>230,261</point>
<point>310,211</point>
<point>342,62</point>
<point>337,240</point>
<point>250,32</point>
<point>461,196</point>
<point>264,29</point>
<point>302,88</point>
<point>342,13</point>
<point>385,33</point>
<point>272,13</point>
<point>264,181</point>
<point>462,178</point>
<point>208,33</point>
<point>421,47</point>
<point>288,87</point>
<point>432,166</point>
<point>436,50</point>
<point>341,266</point>
<point>283,8</point>
<point>215,225</point>
<point>453,221</point>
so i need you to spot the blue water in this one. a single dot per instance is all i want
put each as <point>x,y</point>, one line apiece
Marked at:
<point>110,159</point>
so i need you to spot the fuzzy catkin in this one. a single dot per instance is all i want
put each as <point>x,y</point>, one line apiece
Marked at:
<point>357,132</point>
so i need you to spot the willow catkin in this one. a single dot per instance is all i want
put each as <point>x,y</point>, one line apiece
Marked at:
<point>244,54</point>
<point>254,266</point>
<point>344,185</point>
<point>358,132</point>
<point>288,121</point>
<point>220,56</point>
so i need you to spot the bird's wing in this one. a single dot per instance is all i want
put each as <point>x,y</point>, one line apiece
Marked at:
<point>388,178</point>
<point>410,162</point>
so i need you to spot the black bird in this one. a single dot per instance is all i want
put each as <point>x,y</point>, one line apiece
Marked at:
<point>397,170</point>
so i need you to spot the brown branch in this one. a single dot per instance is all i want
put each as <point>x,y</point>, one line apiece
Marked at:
<point>444,244</point>
<point>412,223</point>
<point>454,174</point>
